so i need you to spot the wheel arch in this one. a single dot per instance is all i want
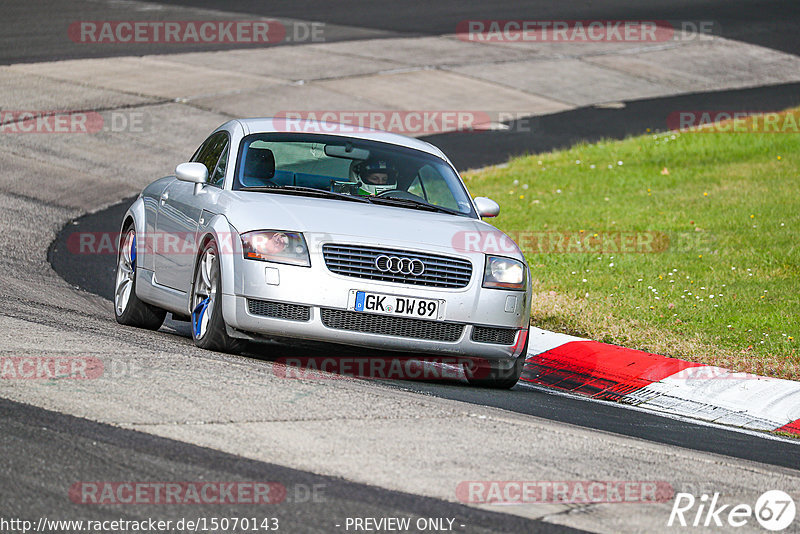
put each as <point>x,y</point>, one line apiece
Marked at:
<point>135,216</point>
<point>228,245</point>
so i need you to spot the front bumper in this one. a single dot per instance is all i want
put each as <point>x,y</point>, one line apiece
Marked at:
<point>314,329</point>
<point>326,294</point>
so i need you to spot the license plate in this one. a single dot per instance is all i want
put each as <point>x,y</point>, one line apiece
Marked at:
<point>397,305</point>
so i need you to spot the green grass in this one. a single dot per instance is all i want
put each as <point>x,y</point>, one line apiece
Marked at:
<point>725,212</point>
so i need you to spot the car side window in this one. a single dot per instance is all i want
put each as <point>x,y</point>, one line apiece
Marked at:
<point>218,176</point>
<point>430,185</point>
<point>209,154</point>
<point>415,188</point>
<point>201,153</point>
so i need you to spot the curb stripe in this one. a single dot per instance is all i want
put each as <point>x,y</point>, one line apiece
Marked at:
<point>600,370</point>
<point>722,396</point>
<point>792,428</point>
<point>663,384</point>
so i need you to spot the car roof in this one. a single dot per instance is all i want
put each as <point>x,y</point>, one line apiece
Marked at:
<point>284,125</point>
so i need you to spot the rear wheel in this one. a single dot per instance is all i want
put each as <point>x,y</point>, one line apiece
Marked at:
<point>208,326</point>
<point>128,308</point>
<point>497,378</point>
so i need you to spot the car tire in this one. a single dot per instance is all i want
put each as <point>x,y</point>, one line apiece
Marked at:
<point>128,308</point>
<point>496,378</point>
<point>208,326</point>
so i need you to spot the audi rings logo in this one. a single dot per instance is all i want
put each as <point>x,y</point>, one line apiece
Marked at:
<point>395,265</point>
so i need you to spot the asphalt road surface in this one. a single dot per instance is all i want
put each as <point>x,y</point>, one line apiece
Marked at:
<point>89,452</point>
<point>52,451</point>
<point>26,35</point>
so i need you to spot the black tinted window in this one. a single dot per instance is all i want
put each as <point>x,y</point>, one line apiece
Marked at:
<point>209,154</point>
<point>218,176</point>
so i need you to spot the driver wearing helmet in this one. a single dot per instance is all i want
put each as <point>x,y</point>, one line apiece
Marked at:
<point>376,176</point>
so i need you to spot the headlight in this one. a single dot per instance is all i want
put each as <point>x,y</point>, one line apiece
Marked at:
<point>504,273</point>
<point>277,246</point>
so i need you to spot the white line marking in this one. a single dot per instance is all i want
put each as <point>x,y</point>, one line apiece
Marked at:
<point>719,395</point>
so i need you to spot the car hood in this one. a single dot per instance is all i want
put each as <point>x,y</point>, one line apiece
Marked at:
<point>331,219</point>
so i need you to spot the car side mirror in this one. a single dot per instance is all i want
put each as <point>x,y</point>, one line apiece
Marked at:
<point>487,207</point>
<point>194,173</point>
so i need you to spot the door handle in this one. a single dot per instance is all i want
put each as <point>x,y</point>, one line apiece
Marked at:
<point>164,197</point>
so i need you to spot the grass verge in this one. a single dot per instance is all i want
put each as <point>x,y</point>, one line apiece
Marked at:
<point>679,243</point>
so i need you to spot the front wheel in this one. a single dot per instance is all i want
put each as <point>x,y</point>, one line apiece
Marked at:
<point>208,326</point>
<point>128,308</point>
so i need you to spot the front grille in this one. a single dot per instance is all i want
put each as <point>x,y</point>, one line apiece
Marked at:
<point>498,336</point>
<point>391,326</point>
<point>279,310</point>
<point>359,262</point>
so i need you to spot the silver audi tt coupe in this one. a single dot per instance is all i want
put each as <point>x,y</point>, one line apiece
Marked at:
<point>319,231</point>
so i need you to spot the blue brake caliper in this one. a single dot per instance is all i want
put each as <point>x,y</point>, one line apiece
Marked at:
<point>197,315</point>
<point>133,254</point>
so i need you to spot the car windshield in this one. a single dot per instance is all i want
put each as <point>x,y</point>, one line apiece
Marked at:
<point>382,173</point>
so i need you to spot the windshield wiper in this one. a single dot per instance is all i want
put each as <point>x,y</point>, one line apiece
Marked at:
<point>300,190</point>
<point>322,193</point>
<point>413,204</point>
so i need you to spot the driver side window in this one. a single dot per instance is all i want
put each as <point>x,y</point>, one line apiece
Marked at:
<point>213,153</point>
<point>218,176</point>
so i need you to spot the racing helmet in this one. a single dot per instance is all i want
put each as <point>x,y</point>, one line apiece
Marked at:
<point>375,176</point>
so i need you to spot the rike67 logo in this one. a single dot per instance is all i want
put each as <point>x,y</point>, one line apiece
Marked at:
<point>774,510</point>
